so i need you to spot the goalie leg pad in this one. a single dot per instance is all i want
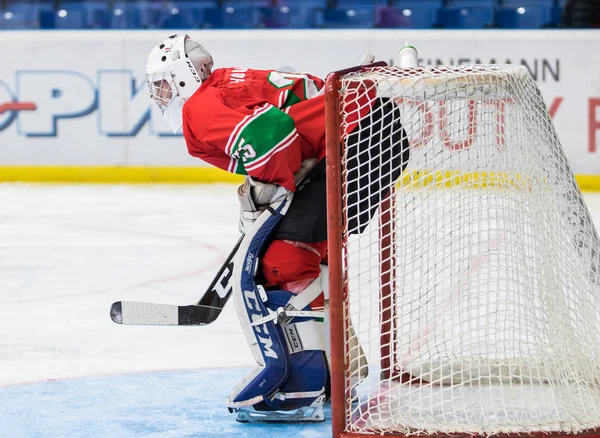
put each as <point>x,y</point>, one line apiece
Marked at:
<point>309,374</point>
<point>266,341</point>
<point>292,370</point>
<point>297,379</point>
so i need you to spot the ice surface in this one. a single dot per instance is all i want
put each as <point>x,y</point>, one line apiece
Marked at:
<point>66,253</point>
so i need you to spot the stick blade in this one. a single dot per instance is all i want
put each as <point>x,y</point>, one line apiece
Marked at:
<point>139,313</point>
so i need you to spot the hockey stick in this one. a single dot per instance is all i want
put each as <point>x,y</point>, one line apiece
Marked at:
<point>204,312</point>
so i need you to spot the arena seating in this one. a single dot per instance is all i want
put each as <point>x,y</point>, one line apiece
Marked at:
<point>466,17</point>
<point>279,14</point>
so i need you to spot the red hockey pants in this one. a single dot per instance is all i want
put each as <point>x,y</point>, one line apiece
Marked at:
<point>293,266</point>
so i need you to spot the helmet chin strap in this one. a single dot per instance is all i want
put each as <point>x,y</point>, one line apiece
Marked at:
<point>173,114</point>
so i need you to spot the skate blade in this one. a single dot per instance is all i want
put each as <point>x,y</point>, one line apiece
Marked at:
<point>309,414</point>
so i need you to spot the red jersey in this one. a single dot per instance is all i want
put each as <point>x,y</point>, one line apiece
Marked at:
<point>261,123</point>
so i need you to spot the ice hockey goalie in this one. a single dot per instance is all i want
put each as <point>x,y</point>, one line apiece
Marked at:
<point>270,126</point>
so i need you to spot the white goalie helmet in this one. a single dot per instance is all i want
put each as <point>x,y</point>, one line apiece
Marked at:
<point>175,70</point>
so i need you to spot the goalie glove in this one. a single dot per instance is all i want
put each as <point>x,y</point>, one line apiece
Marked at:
<point>255,196</point>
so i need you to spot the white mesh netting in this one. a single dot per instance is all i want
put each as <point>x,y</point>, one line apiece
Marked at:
<point>472,290</point>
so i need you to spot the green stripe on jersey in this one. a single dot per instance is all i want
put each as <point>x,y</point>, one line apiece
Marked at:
<point>261,135</point>
<point>239,168</point>
<point>291,99</point>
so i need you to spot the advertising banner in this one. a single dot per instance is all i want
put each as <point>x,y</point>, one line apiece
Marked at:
<point>79,98</point>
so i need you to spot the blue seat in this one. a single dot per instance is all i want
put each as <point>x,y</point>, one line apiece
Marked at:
<point>415,3</point>
<point>284,17</point>
<point>20,16</point>
<point>422,13</point>
<point>137,14</point>
<point>151,13</point>
<point>70,15</point>
<point>412,15</point>
<point>97,14</point>
<point>157,14</point>
<point>82,15</point>
<point>307,6</point>
<point>471,3</point>
<point>555,16</point>
<point>362,4</point>
<point>242,4</point>
<point>120,15</point>
<point>311,4</point>
<point>354,18</point>
<point>46,16</point>
<point>523,17</point>
<point>182,15</point>
<point>464,18</point>
<point>293,14</point>
<point>230,17</point>
<point>524,3</point>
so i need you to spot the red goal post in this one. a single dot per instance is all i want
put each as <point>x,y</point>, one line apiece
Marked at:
<point>487,128</point>
<point>336,285</point>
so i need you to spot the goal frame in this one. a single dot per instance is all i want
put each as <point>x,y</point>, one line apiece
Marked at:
<point>338,288</point>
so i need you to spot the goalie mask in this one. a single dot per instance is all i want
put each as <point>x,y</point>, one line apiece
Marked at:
<point>175,70</point>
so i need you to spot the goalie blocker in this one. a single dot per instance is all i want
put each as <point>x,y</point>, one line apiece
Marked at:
<point>288,338</point>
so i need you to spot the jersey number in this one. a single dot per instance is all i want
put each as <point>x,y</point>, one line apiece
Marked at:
<point>245,151</point>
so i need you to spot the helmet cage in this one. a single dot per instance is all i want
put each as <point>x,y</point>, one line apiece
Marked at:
<point>162,88</point>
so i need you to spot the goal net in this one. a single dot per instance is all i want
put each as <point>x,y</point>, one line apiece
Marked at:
<point>463,260</point>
